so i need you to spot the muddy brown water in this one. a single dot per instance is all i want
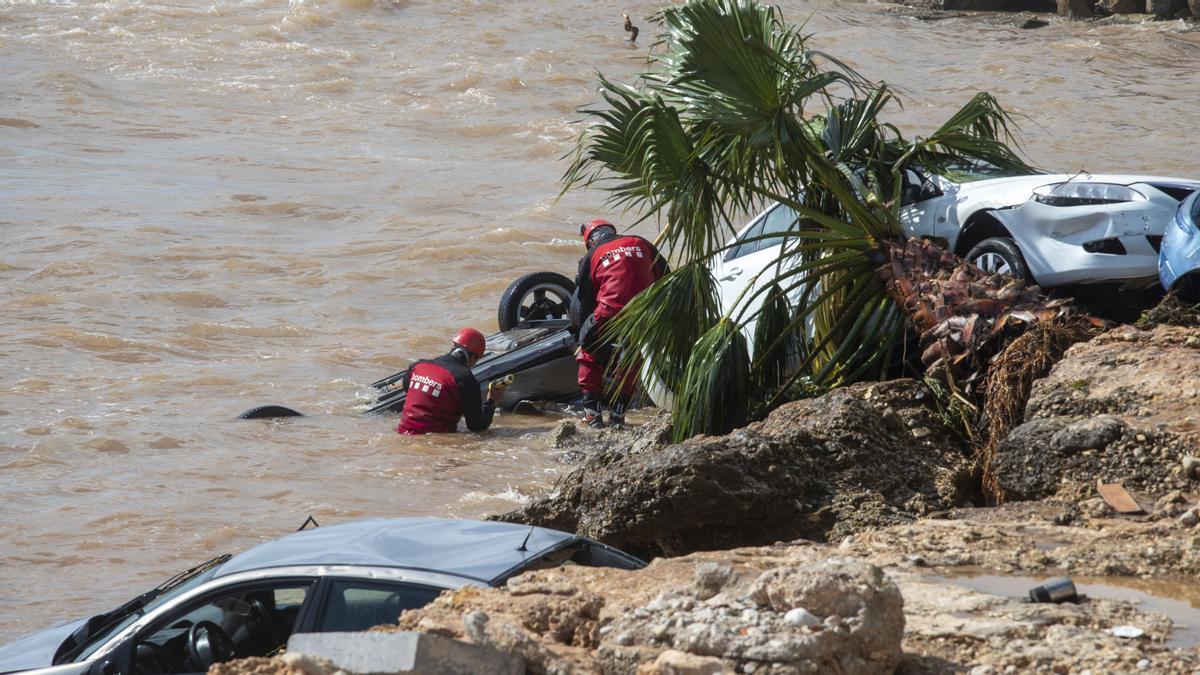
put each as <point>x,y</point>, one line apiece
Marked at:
<point>210,206</point>
<point>1177,599</point>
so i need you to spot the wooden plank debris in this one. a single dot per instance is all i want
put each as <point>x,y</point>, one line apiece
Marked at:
<point>1116,496</point>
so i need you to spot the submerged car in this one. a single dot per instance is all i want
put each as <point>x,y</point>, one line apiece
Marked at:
<point>345,577</point>
<point>1179,260</point>
<point>535,345</point>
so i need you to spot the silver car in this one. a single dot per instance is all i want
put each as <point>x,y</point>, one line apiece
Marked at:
<point>345,577</point>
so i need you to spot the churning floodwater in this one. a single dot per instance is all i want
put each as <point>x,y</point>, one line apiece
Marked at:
<point>206,206</point>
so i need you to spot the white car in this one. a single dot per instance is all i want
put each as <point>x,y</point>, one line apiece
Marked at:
<point>1052,229</point>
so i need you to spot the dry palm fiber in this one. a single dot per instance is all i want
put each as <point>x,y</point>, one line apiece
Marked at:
<point>1010,380</point>
<point>1171,311</point>
<point>964,315</point>
<point>990,335</point>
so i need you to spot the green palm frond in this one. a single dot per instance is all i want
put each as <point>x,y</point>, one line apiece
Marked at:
<point>981,131</point>
<point>665,322</point>
<point>777,343</point>
<point>715,394</point>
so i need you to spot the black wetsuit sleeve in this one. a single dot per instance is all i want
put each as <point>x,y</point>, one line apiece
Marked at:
<point>583,300</point>
<point>477,413</point>
<point>660,263</point>
<point>583,287</point>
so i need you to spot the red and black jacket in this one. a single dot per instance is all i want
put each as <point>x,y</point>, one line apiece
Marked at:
<point>615,269</point>
<point>439,392</point>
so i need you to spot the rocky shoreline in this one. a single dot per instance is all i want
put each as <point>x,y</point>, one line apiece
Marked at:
<point>1136,10</point>
<point>847,533</point>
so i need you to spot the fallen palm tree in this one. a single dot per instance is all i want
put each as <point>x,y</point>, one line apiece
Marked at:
<point>737,112</point>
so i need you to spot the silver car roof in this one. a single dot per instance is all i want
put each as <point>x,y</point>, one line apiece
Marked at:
<point>473,549</point>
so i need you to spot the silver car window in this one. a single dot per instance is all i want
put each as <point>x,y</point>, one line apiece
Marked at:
<point>355,605</point>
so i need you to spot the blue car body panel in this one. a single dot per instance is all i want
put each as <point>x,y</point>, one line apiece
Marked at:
<point>1180,252</point>
<point>36,650</point>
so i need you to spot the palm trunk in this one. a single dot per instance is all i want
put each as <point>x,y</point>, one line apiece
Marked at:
<point>979,329</point>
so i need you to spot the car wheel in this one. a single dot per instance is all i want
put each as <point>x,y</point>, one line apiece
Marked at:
<point>533,297</point>
<point>999,255</point>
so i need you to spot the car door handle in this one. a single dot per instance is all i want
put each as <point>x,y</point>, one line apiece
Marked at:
<point>734,272</point>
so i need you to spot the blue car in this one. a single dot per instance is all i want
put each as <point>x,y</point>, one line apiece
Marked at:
<point>345,577</point>
<point>1179,259</point>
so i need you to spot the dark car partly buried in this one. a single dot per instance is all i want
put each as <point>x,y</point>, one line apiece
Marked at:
<point>345,577</point>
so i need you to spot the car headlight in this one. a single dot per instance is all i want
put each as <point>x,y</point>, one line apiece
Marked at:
<point>1190,218</point>
<point>1086,194</point>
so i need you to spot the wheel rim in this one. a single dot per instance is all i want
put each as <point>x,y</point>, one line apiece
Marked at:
<point>993,263</point>
<point>544,301</point>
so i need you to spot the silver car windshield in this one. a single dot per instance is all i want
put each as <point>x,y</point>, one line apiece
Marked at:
<point>94,642</point>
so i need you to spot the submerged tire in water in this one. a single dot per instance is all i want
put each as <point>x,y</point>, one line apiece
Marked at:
<point>269,411</point>
<point>540,295</point>
<point>999,255</point>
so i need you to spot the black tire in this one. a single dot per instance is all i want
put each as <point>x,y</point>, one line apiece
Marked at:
<point>536,296</point>
<point>1000,255</point>
<point>269,411</point>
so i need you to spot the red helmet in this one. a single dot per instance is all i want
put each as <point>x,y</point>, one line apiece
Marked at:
<point>586,229</point>
<point>471,340</point>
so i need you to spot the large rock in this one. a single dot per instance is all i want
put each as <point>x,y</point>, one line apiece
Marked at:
<point>960,5</point>
<point>1076,9</point>
<point>1122,6</point>
<point>1166,9</point>
<point>1124,407</point>
<point>864,456</point>
<point>714,612</point>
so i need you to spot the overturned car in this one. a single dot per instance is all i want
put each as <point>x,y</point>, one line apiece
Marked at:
<point>535,345</point>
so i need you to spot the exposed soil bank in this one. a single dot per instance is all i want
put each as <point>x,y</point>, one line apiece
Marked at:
<point>1123,407</point>
<point>1080,9</point>
<point>862,457</point>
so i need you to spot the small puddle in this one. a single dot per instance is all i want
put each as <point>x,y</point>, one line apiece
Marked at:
<point>1177,599</point>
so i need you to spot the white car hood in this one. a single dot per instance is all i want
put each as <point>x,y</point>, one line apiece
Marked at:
<point>1014,190</point>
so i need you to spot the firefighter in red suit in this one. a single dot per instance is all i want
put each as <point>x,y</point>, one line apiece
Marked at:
<point>615,269</point>
<point>441,390</point>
